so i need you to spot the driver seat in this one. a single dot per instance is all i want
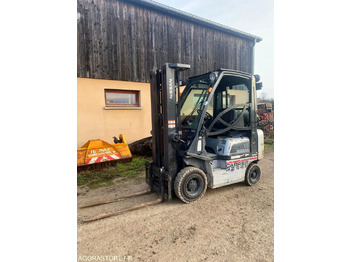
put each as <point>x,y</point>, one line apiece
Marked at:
<point>228,118</point>
<point>232,115</point>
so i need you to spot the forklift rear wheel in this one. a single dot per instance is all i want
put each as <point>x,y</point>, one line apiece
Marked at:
<point>190,184</point>
<point>252,175</point>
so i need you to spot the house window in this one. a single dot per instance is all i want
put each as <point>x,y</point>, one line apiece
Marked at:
<point>122,98</point>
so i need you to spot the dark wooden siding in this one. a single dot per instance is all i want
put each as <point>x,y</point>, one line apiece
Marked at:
<point>122,41</point>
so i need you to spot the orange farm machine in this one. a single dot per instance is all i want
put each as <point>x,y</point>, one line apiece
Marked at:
<point>97,153</point>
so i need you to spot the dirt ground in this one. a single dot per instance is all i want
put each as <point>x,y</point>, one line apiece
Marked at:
<point>232,223</point>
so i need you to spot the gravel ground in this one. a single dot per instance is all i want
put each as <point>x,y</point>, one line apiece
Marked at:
<point>232,223</point>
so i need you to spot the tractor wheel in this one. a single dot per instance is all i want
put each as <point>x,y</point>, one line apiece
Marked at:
<point>190,184</point>
<point>252,175</point>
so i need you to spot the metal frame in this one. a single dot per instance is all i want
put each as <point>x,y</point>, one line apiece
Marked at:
<point>164,98</point>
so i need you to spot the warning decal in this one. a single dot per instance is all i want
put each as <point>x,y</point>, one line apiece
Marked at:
<point>238,164</point>
<point>171,124</point>
<point>102,158</point>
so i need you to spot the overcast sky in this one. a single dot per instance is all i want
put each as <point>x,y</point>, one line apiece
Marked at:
<point>251,16</point>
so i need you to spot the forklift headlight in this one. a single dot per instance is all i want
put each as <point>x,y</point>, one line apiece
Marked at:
<point>213,77</point>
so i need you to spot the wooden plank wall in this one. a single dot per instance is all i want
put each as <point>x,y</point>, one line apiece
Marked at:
<point>121,41</point>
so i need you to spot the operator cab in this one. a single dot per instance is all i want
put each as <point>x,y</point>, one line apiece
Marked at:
<point>218,105</point>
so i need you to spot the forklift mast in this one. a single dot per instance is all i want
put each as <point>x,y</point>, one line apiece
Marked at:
<point>165,95</point>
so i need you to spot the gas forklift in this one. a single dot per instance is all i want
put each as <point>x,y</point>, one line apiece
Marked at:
<point>207,135</point>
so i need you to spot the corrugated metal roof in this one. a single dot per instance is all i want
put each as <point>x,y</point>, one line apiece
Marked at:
<point>196,19</point>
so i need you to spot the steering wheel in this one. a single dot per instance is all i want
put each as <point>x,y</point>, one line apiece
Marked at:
<point>228,125</point>
<point>207,116</point>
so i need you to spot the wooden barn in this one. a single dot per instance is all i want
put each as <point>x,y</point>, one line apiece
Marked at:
<point>119,42</point>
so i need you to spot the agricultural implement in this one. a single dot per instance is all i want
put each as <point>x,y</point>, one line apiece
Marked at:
<point>97,153</point>
<point>266,115</point>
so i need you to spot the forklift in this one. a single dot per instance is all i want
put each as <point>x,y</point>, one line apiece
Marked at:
<point>205,137</point>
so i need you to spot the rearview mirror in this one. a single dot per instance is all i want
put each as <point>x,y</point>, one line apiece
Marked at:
<point>259,86</point>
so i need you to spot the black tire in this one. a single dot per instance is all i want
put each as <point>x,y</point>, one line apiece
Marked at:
<point>190,184</point>
<point>252,175</point>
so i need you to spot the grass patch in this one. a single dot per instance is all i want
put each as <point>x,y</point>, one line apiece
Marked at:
<point>98,184</point>
<point>133,168</point>
<point>104,177</point>
<point>269,145</point>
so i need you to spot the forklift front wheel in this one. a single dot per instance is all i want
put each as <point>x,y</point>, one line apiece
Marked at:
<point>190,184</point>
<point>252,175</point>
